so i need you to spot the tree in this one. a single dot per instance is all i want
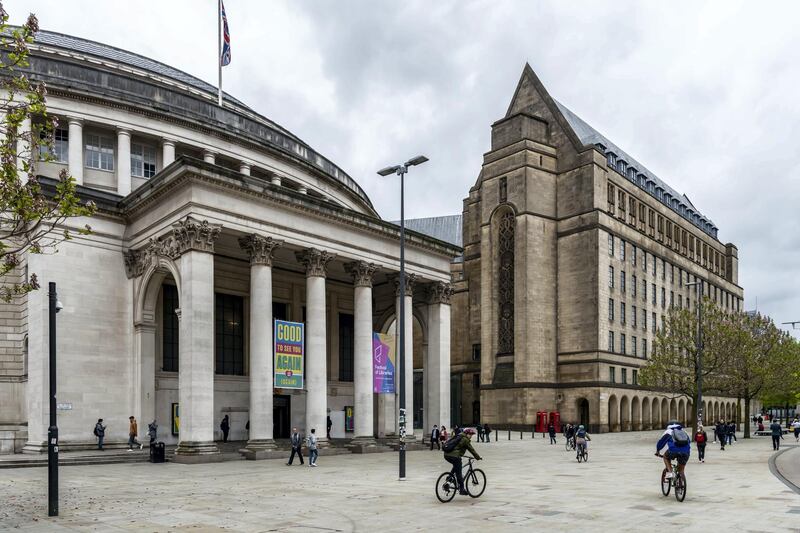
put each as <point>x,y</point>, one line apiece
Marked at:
<point>762,361</point>
<point>676,361</point>
<point>32,220</point>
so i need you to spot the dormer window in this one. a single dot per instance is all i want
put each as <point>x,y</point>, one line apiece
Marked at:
<point>632,174</point>
<point>621,166</point>
<point>612,159</point>
<point>651,185</point>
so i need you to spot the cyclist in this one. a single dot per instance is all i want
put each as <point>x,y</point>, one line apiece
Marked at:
<point>454,456</point>
<point>581,439</point>
<point>569,432</point>
<point>676,440</point>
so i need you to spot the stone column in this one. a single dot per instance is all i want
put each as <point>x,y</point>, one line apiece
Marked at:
<point>362,273</point>
<point>438,395</point>
<point>408,357</point>
<point>167,152</point>
<point>194,243</point>
<point>260,250</point>
<point>316,263</point>
<point>75,150</point>
<point>244,168</point>
<point>276,180</point>
<point>123,162</point>
<point>209,156</point>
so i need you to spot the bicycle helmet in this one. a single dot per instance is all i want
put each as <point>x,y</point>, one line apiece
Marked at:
<point>673,423</point>
<point>581,427</point>
<point>469,431</point>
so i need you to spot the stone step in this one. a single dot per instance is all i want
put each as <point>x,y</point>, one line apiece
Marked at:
<point>29,461</point>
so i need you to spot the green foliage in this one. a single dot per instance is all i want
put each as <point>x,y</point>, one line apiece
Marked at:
<point>31,221</point>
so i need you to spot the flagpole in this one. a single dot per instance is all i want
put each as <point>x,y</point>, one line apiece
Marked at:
<point>219,50</point>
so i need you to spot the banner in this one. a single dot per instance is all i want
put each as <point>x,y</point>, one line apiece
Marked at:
<point>289,351</point>
<point>176,419</point>
<point>383,363</point>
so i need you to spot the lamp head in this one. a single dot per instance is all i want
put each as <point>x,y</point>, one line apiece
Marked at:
<point>416,161</point>
<point>389,170</point>
<point>59,306</point>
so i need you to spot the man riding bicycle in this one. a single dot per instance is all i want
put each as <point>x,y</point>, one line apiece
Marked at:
<point>581,438</point>
<point>454,456</point>
<point>676,440</point>
<point>569,433</point>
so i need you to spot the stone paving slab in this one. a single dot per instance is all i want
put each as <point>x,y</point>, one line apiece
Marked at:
<point>531,484</point>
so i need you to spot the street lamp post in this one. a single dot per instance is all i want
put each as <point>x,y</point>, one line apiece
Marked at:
<point>401,170</point>
<point>699,348</point>
<point>54,306</point>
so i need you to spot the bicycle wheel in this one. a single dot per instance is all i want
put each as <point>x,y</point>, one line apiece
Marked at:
<point>666,484</point>
<point>446,487</point>
<point>475,483</point>
<point>680,487</point>
<point>566,445</point>
<point>580,457</point>
<point>585,456</point>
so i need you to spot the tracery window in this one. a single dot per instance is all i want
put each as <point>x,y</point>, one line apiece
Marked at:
<point>505,324</point>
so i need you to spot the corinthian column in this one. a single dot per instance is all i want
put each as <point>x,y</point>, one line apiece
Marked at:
<point>362,273</point>
<point>437,403</point>
<point>260,250</point>
<point>408,356</point>
<point>316,263</point>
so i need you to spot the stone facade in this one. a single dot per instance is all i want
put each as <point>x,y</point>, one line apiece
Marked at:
<point>565,246</point>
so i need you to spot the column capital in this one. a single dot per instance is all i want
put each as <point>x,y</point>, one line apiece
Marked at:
<point>123,131</point>
<point>260,249</point>
<point>168,141</point>
<point>439,292</point>
<point>362,272</point>
<point>192,234</point>
<point>411,279</point>
<point>315,261</point>
<point>75,121</point>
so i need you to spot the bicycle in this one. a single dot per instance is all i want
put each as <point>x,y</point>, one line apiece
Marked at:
<point>570,444</point>
<point>474,483</point>
<point>583,453</point>
<point>678,480</point>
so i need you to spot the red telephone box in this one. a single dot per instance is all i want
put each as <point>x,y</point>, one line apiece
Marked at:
<point>555,419</point>
<point>541,421</point>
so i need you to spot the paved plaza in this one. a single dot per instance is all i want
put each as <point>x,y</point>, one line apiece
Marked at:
<point>530,484</point>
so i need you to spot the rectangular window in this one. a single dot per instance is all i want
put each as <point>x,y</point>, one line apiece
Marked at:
<point>634,314</point>
<point>622,347</point>
<point>170,326</point>
<point>663,297</point>
<point>60,149</point>
<point>624,375</point>
<point>644,290</point>
<point>611,277</point>
<point>680,277</point>
<point>622,281</point>
<point>634,284</point>
<point>672,298</point>
<point>653,323</point>
<point>655,266</point>
<point>611,309</point>
<point>634,253</point>
<point>346,347</point>
<point>611,194</point>
<point>631,211</point>
<point>476,352</point>
<point>143,160</point>
<point>635,377</point>
<point>622,250</point>
<point>229,332</point>
<point>653,295</point>
<point>644,261</point>
<point>644,319</point>
<point>99,152</point>
<point>611,246</point>
<point>680,301</point>
<point>672,273</point>
<point>663,270</point>
<point>611,374</point>
<point>634,346</point>
<point>644,348</point>
<point>622,313</point>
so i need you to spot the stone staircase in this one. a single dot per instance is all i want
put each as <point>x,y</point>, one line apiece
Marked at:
<point>75,459</point>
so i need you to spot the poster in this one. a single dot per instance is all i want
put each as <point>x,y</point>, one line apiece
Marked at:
<point>383,363</point>
<point>176,419</point>
<point>349,423</point>
<point>289,351</point>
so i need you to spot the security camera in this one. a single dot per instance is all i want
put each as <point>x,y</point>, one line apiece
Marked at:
<point>59,306</point>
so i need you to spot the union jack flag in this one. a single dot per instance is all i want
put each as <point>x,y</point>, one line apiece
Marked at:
<point>225,57</point>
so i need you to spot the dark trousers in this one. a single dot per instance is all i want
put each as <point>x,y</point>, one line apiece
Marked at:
<point>456,462</point>
<point>299,452</point>
<point>436,442</point>
<point>132,442</point>
<point>552,438</point>
<point>225,435</point>
<point>776,442</point>
<point>100,441</point>
<point>701,451</point>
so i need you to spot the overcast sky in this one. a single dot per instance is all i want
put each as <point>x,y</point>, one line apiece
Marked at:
<point>703,94</point>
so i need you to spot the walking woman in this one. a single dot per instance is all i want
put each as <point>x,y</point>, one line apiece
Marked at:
<point>701,438</point>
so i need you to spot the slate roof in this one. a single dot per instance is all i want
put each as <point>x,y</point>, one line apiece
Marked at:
<point>590,136</point>
<point>446,228</point>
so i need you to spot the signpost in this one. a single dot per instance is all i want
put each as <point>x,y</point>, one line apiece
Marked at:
<point>289,353</point>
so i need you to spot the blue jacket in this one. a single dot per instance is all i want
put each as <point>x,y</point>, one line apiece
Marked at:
<point>666,440</point>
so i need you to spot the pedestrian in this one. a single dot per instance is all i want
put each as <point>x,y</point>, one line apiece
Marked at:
<point>551,429</point>
<point>312,447</point>
<point>435,437</point>
<point>721,434</point>
<point>479,431</point>
<point>796,428</point>
<point>487,432</point>
<point>100,433</point>
<point>297,447</point>
<point>760,419</point>
<point>133,430</point>
<point>225,426</point>
<point>732,433</point>
<point>458,431</point>
<point>152,431</point>
<point>777,435</point>
<point>701,438</point>
<point>330,425</point>
<point>443,434</point>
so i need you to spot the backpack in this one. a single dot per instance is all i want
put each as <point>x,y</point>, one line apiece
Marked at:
<point>451,444</point>
<point>96,433</point>
<point>680,437</point>
<point>581,433</point>
<point>701,438</point>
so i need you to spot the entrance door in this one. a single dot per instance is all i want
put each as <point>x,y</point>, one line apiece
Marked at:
<point>418,403</point>
<point>583,412</point>
<point>281,405</point>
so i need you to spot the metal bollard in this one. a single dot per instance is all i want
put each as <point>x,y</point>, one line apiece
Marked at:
<point>495,435</point>
<point>520,435</point>
<point>509,433</point>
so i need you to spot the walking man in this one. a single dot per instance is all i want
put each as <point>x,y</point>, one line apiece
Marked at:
<point>133,430</point>
<point>100,433</point>
<point>225,426</point>
<point>297,447</point>
<point>435,437</point>
<point>551,429</point>
<point>487,432</point>
<point>312,448</point>
<point>330,425</point>
<point>777,435</point>
<point>721,434</point>
<point>701,438</point>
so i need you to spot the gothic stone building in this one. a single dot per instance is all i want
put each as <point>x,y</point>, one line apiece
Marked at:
<point>212,221</point>
<point>573,252</point>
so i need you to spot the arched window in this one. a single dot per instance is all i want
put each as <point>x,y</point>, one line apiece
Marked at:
<point>505,325</point>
